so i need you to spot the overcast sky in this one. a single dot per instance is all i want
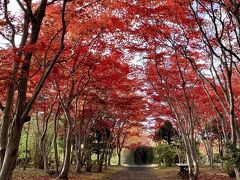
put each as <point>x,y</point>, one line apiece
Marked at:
<point>14,9</point>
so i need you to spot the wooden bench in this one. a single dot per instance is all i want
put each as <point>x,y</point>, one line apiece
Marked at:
<point>183,169</point>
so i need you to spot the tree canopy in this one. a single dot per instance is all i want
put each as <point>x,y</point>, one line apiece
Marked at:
<point>83,67</point>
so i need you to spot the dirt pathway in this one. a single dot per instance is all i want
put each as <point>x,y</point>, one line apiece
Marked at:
<point>134,173</point>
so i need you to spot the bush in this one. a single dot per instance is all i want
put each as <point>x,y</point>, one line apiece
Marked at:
<point>233,156</point>
<point>217,158</point>
<point>228,168</point>
<point>232,159</point>
<point>165,153</point>
<point>89,164</point>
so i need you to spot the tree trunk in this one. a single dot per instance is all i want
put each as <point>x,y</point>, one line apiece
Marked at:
<point>178,154</point>
<point>100,164</point>
<point>81,155</point>
<point>10,95</point>
<point>109,157</point>
<point>55,145</point>
<point>193,168</point>
<point>106,155</point>
<point>67,157</point>
<point>196,169</point>
<point>79,164</point>
<point>6,123</point>
<point>73,154</point>
<point>11,152</point>
<point>189,160</point>
<point>236,170</point>
<point>78,158</point>
<point>26,148</point>
<point>45,159</point>
<point>119,157</point>
<point>209,152</point>
<point>78,153</point>
<point>67,154</point>
<point>44,155</point>
<point>106,161</point>
<point>39,164</point>
<point>56,155</point>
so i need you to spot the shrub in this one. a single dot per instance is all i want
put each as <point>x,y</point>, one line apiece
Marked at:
<point>232,159</point>
<point>165,153</point>
<point>217,158</point>
<point>89,164</point>
<point>228,168</point>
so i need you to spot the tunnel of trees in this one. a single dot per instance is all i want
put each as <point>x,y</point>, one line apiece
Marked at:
<point>77,75</point>
<point>143,155</point>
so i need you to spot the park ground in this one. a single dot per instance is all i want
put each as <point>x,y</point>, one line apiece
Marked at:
<point>124,173</point>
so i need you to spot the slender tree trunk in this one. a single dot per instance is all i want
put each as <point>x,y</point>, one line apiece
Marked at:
<point>109,157</point>
<point>119,157</point>
<point>79,163</point>
<point>73,153</point>
<point>26,148</point>
<point>56,155</point>
<point>189,157</point>
<point>36,154</point>
<point>209,152</point>
<point>78,153</point>
<point>101,160</point>
<point>106,161</point>
<point>118,150</point>
<point>193,168</point>
<point>178,154</point>
<point>44,155</point>
<point>55,144</point>
<point>106,154</point>
<point>67,156</point>
<point>78,160</point>
<point>196,167</point>
<point>39,154</point>
<point>81,157</point>
<point>236,170</point>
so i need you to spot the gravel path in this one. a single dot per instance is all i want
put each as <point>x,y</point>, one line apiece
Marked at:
<point>134,173</point>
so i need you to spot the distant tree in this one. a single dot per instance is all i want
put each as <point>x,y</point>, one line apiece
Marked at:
<point>166,132</point>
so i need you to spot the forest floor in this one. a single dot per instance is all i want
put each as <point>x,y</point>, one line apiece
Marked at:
<point>37,174</point>
<point>206,173</point>
<point>123,173</point>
